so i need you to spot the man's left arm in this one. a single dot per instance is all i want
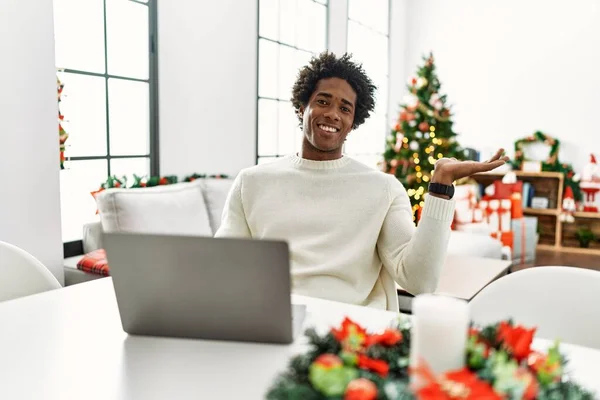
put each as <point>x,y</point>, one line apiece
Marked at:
<point>414,256</point>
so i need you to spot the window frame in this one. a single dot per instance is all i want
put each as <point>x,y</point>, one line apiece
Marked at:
<point>389,65</point>
<point>75,248</point>
<point>277,99</point>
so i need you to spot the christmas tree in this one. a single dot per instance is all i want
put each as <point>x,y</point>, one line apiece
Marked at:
<point>62,134</point>
<point>422,135</point>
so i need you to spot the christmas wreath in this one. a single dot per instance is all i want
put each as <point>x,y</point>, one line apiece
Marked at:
<point>351,364</point>
<point>551,164</point>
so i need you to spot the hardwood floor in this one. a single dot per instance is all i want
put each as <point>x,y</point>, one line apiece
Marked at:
<point>548,257</point>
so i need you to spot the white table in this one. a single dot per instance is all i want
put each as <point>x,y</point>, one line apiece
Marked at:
<point>462,277</point>
<point>69,344</point>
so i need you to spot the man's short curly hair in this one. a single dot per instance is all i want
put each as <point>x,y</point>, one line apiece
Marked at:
<point>327,65</point>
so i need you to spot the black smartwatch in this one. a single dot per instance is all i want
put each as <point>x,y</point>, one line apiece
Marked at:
<point>445,190</point>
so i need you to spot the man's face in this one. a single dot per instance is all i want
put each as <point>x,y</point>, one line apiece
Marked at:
<point>327,119</point>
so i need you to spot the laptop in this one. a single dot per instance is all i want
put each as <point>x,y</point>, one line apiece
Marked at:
<point>203,287</point>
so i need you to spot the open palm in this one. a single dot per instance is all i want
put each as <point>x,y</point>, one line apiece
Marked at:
<point>447,170</point>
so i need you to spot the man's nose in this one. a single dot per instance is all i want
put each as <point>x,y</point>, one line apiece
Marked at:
<point>332,114</point>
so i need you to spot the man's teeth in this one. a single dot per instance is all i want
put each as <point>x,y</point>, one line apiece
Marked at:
<point>328,128</point>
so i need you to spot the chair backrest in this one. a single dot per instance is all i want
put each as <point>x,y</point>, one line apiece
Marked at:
<point>561,301</point>
<point>21,274</point>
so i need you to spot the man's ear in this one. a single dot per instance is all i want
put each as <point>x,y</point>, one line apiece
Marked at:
<point>301,111</point>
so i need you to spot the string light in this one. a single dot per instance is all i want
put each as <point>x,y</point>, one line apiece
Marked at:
<point>431,160</point>
<point>411,192</point>
<point>428,150</point>
<point>432,128</point>
<point>416,155</point>
<point>405,140</point>
<point>418,168</point>
<point>440,155</point>
<point>419,174</point>
<point>426,178</point>
<point>422,203</point>
<point>417,161</point>
<point>417,197</point>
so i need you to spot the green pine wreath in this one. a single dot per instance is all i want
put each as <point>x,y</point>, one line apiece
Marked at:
<point>551,164</point>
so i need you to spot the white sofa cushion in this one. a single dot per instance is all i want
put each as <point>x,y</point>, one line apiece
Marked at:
<point>177,209</point>
<point>215,194</point>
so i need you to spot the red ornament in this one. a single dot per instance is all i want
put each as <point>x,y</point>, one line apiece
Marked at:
<point>424,127</point>
<point>361,389</point>
<point>117,184</point>
<point>163,181</point>
<point>328,361</point>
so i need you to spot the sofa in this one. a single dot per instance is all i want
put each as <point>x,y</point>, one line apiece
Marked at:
<point>195,208</point>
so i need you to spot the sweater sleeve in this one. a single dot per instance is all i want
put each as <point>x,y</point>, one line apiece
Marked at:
<point>414,256</point>
<point>233,219</point>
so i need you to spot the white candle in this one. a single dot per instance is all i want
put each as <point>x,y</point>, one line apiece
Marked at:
<point>439,333</point>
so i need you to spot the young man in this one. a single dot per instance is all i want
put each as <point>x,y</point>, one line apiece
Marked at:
<point>349,227</point>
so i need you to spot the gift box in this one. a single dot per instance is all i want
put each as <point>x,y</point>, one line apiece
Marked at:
<point>525,239</point>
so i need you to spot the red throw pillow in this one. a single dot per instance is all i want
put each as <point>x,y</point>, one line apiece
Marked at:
<point>94,262</point>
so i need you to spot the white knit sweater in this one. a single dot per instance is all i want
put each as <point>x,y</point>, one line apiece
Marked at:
<point>349,228</point>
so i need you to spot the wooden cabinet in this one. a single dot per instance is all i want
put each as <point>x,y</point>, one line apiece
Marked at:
<point>554,234</point>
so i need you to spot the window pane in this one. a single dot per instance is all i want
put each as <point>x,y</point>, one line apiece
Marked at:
<point>369,138</point>
<point>77,181</point>
<point>128,106</point>
<point>372,13</point>
<point>288,128</point>
<point>381,103</point>
<point>128,39</point>
<point>370,160</point>
<point>288,21</point>
<point>268,53</point>
<point>288,70</point>
<point>269,19</point>
<point>79,34</point>
<point>312,21</point>
<point>83,104</point>
<point>267,127</point>
<point>129,166</point>
<point>370,48</point>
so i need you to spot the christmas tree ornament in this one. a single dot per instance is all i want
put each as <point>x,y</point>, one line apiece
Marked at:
<point>590,185</point>
<point>568,206</point>
<point>421,82</point>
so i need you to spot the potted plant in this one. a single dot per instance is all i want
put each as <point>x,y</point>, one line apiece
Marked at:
<point>585,236</point>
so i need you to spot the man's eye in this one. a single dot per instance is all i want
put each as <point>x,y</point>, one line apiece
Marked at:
<point>345,109</point>
<point>322,102</point>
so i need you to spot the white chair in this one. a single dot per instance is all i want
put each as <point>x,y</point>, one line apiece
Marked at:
<point>21,274</point>
<point>562,302</point>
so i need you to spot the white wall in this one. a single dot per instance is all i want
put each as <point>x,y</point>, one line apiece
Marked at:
<point>207,85</point>
<point>512,67</point>
<point>29,168</point>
